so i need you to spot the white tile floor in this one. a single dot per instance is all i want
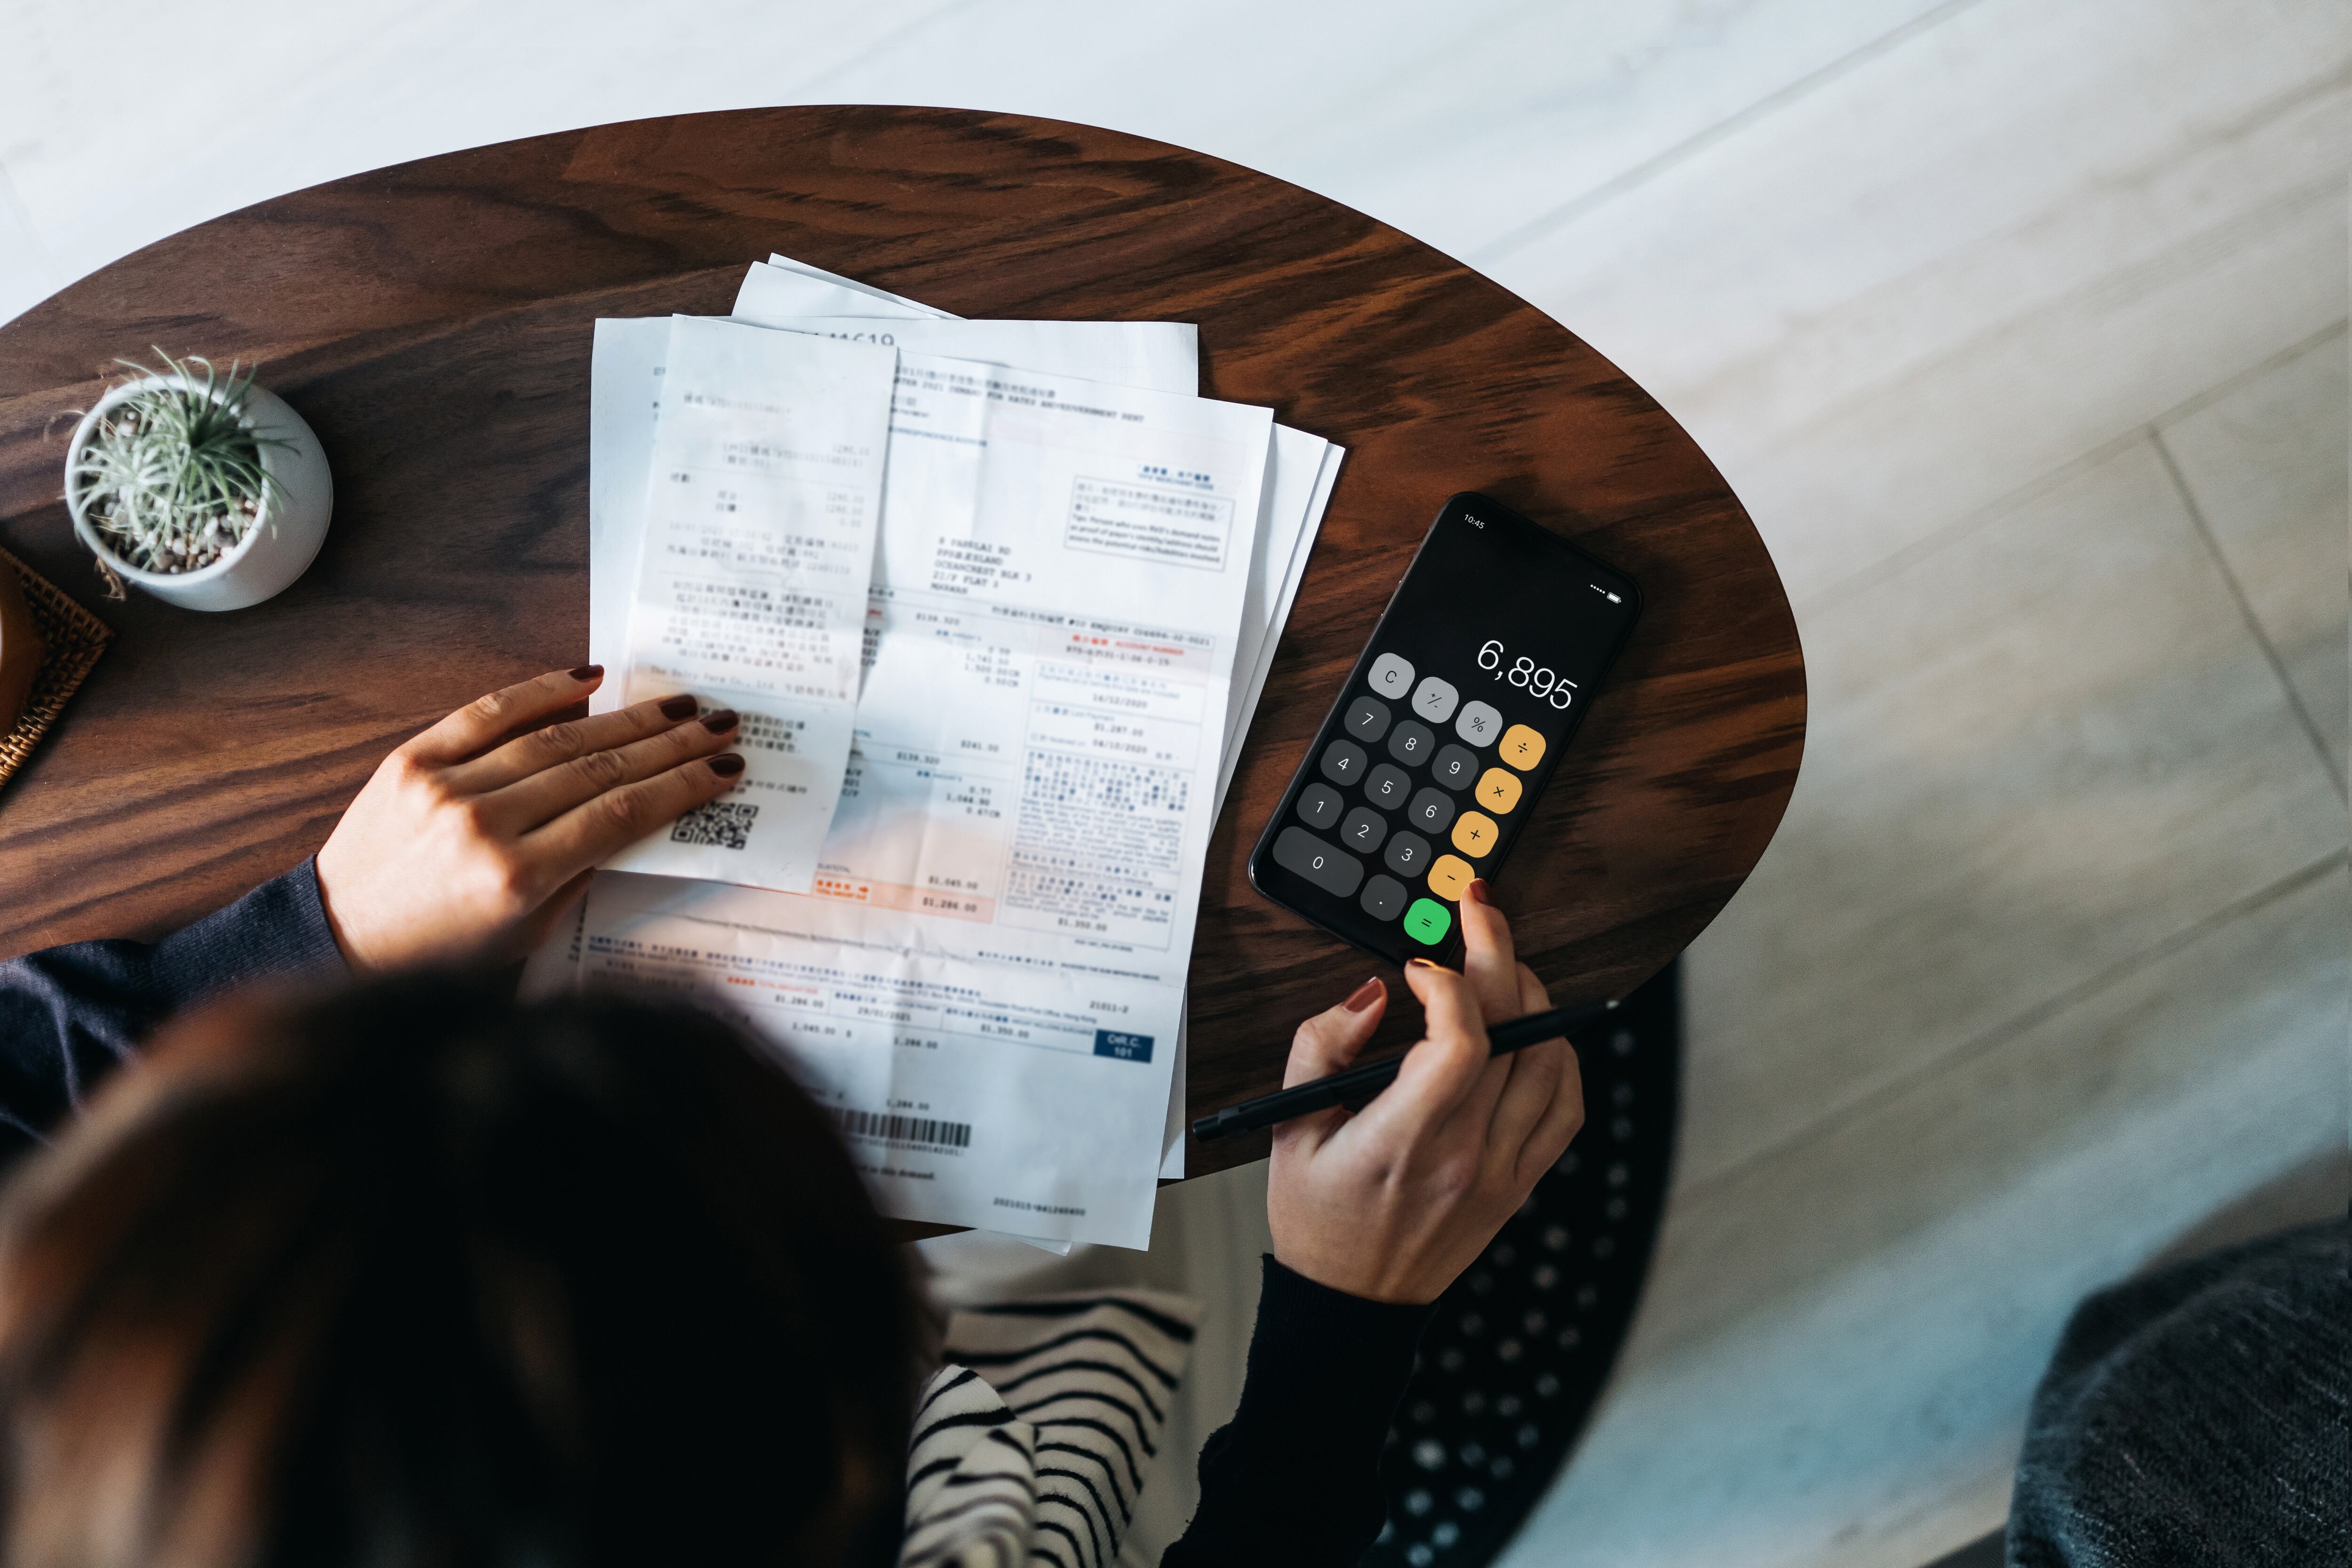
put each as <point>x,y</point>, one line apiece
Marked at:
<point>2020,328</point>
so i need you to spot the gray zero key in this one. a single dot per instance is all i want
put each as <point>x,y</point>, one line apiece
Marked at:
<point>1432,811</point>
<point>1407,854</point>
<point>1343,763</point>
<point>1457,766</point>
<point>1318,805</point>
<point>1383,898</point>
<point>1333,871</point>
<point>1364,830</point>
<point>1392,675</point>
<point>1367,719</point>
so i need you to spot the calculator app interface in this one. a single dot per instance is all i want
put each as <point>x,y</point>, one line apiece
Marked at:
<point>1431,761</point>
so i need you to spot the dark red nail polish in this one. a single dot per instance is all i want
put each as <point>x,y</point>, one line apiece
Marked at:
<point>1475,893</point>
<point>1365,996</point>
<point>720,723</point>
<point>677,707</point>
<point>588,672</point>
<point>728,766</point>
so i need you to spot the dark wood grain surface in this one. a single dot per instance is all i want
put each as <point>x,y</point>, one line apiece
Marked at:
<point>432,322</point>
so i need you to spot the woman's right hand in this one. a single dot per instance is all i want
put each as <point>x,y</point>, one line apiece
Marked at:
<point>1392,1201</point>
<point>472,839</point>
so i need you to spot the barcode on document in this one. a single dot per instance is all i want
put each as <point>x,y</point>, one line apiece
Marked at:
<point>720,824</point>
<point>902,1129</point>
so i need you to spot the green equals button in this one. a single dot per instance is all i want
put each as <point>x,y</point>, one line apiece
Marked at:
<point>1428,921</point>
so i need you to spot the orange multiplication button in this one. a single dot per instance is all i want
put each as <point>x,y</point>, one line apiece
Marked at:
<point>1475,833</point>
<point>1449,876</point>
<point>1498,791</point>
<point>1522,747</point>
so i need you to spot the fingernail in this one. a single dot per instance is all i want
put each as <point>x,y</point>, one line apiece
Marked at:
<point>728,766</point>
<point>588,672</point>
<point>679,706</point>
<point>1475,893</point>
<point>721,722</point>
<point>1365,996</point>
<point>1426,963</point>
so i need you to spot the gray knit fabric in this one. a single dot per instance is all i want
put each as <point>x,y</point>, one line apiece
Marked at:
<point>2197,1416</point>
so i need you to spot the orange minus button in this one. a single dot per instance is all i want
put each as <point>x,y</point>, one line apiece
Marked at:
<point>1522,747</point>
<point>1450,876</point>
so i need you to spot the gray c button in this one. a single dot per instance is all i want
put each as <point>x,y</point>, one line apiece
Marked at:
<point>1391,675</point>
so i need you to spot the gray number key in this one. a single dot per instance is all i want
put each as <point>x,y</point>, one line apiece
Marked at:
<point>1363,830</point>
<point>1387,786</point>
<point>1412,744</point>
<point>1367,719</point>
<point>1407,854</point>
<point>1335,871</point>
<point>1457,766</point>
<point>1343,762</point>
<point>1432,811</point>
<point>1318,805</point>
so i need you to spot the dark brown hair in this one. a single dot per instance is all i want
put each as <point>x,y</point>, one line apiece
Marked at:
<point>416,1274</point>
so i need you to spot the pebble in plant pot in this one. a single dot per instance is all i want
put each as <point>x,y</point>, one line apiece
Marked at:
<point>206,491</point>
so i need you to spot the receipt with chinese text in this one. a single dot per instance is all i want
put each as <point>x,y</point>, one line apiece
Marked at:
<point>752,578</point>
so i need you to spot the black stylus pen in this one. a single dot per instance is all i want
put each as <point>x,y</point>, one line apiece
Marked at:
<point>1359,1084</point>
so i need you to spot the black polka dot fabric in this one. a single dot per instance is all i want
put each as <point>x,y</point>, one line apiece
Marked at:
<point>1513,1361</point>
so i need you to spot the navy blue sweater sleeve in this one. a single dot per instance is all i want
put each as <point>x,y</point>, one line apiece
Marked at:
<point>1294,1479</point>
<point>70,1015</point>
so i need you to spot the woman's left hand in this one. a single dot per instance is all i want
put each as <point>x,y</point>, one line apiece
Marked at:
<point>473,839</point>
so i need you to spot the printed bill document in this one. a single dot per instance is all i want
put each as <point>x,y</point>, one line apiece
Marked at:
<point>985,983</point>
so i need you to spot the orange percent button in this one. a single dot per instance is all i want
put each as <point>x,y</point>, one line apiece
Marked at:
<point>1450,876</point>
<point>1498,791</point>
<point>1475,833</point>
<point>1522,747</point>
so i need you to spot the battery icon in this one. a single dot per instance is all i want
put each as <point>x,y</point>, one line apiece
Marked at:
<point>1604,593</point>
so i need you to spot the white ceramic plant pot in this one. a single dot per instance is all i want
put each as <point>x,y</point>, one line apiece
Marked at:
<point>281,543</point>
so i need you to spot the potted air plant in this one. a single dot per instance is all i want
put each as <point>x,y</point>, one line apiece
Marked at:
<point>206,491</point>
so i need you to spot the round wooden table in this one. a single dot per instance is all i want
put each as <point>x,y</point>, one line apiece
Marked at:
<point>432,322</point>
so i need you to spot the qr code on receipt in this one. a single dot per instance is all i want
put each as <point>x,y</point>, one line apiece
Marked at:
<point>723,824</point>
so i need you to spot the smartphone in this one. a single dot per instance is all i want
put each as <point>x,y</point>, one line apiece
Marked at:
<point>1431,761</point>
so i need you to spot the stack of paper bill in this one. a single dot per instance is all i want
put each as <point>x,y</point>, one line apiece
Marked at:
<point>995,600</point>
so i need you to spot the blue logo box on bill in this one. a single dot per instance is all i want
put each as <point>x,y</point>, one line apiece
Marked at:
<point>1125,1046</point>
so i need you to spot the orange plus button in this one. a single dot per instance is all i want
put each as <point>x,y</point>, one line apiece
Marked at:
<point>1522,747</point>
<point>1449,876</point>
<point>1475,833</point>
<point>1498,791</point>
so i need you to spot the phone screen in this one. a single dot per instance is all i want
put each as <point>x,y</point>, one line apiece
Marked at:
<point>1454,717</point>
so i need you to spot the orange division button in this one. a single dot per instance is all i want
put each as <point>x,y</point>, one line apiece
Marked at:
<point>1449,876</point>
<point>1522,747</point>
<point>1498,791</point>
<point>1475,833</point>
